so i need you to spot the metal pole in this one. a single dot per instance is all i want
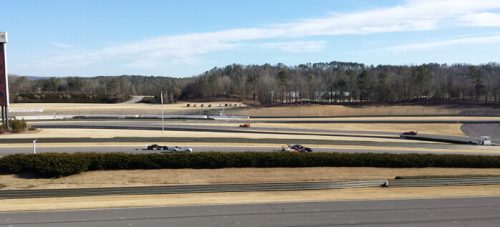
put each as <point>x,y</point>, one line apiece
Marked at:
<point>162,118</point>
<point>3,117</point>
<point>4,73</point>
<point>34,146</point>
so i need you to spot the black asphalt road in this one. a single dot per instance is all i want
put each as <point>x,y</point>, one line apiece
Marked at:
<point>140,149</point>
<point>431,212</point>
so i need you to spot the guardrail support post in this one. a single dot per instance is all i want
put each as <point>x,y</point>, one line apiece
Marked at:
<point>34,146</point>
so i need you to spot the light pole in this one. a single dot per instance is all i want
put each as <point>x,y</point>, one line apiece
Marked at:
<point>4,80</point>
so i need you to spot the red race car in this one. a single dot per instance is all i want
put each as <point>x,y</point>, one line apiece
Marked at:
<point>409,133</point>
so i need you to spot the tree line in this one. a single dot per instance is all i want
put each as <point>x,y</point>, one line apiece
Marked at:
<point>332,82</point>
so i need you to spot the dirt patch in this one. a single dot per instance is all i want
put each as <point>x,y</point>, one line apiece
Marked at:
<point>226,176</point>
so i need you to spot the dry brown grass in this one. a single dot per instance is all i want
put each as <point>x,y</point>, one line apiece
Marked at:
<point>128,108</point>
<point>96,202</point>
<point>443,129</point>
<point>229,175</point>
<point>250,175</point>
<point>339,110</point>
<point>234,109</point>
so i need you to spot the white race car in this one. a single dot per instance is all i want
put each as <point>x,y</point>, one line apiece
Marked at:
<point>178,149</point>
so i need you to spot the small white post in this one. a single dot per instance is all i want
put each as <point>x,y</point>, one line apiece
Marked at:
<point>34,146</point>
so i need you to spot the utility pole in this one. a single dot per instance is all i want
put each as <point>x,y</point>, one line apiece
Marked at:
<point>4,80</point>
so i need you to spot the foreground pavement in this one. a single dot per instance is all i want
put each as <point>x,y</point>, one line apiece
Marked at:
<point>423,212</point>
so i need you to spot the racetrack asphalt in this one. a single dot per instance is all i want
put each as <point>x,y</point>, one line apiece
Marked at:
<point>418,212</point>
<point>477,130</point>
<point>140,149</point>
<point>156,125</point>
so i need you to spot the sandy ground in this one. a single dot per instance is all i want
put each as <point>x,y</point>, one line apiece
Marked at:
<point>229,175</point>
<point>443,129</point>
<point>338,110</point>
<point>121,108</point>
<point>95,202</point>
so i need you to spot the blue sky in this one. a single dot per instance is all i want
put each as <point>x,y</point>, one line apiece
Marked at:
<point>185,38</point>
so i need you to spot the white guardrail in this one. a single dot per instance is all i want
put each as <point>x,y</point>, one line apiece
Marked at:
<point>25,110</point>
<point>137,116</point>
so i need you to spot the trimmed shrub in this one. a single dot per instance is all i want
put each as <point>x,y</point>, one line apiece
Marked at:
<point>64,164</point>
<point>48,164</point>
<point>18,125</point>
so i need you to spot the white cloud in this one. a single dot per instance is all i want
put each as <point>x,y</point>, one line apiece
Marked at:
<point>297,46</point>
<point>446,43</point>
<point>481,20</point>
<point>412,15</point>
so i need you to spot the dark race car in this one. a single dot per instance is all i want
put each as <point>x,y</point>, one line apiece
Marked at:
<point>156,147</point>
<point>296,148</point>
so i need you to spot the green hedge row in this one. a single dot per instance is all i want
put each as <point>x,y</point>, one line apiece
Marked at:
<point>64,164</point>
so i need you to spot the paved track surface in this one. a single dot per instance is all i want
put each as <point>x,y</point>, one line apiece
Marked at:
<point>134,99</point>
<point>477,130</point>
<point>140,149</point>
<point>156,125</point>
<point>431,212</point>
